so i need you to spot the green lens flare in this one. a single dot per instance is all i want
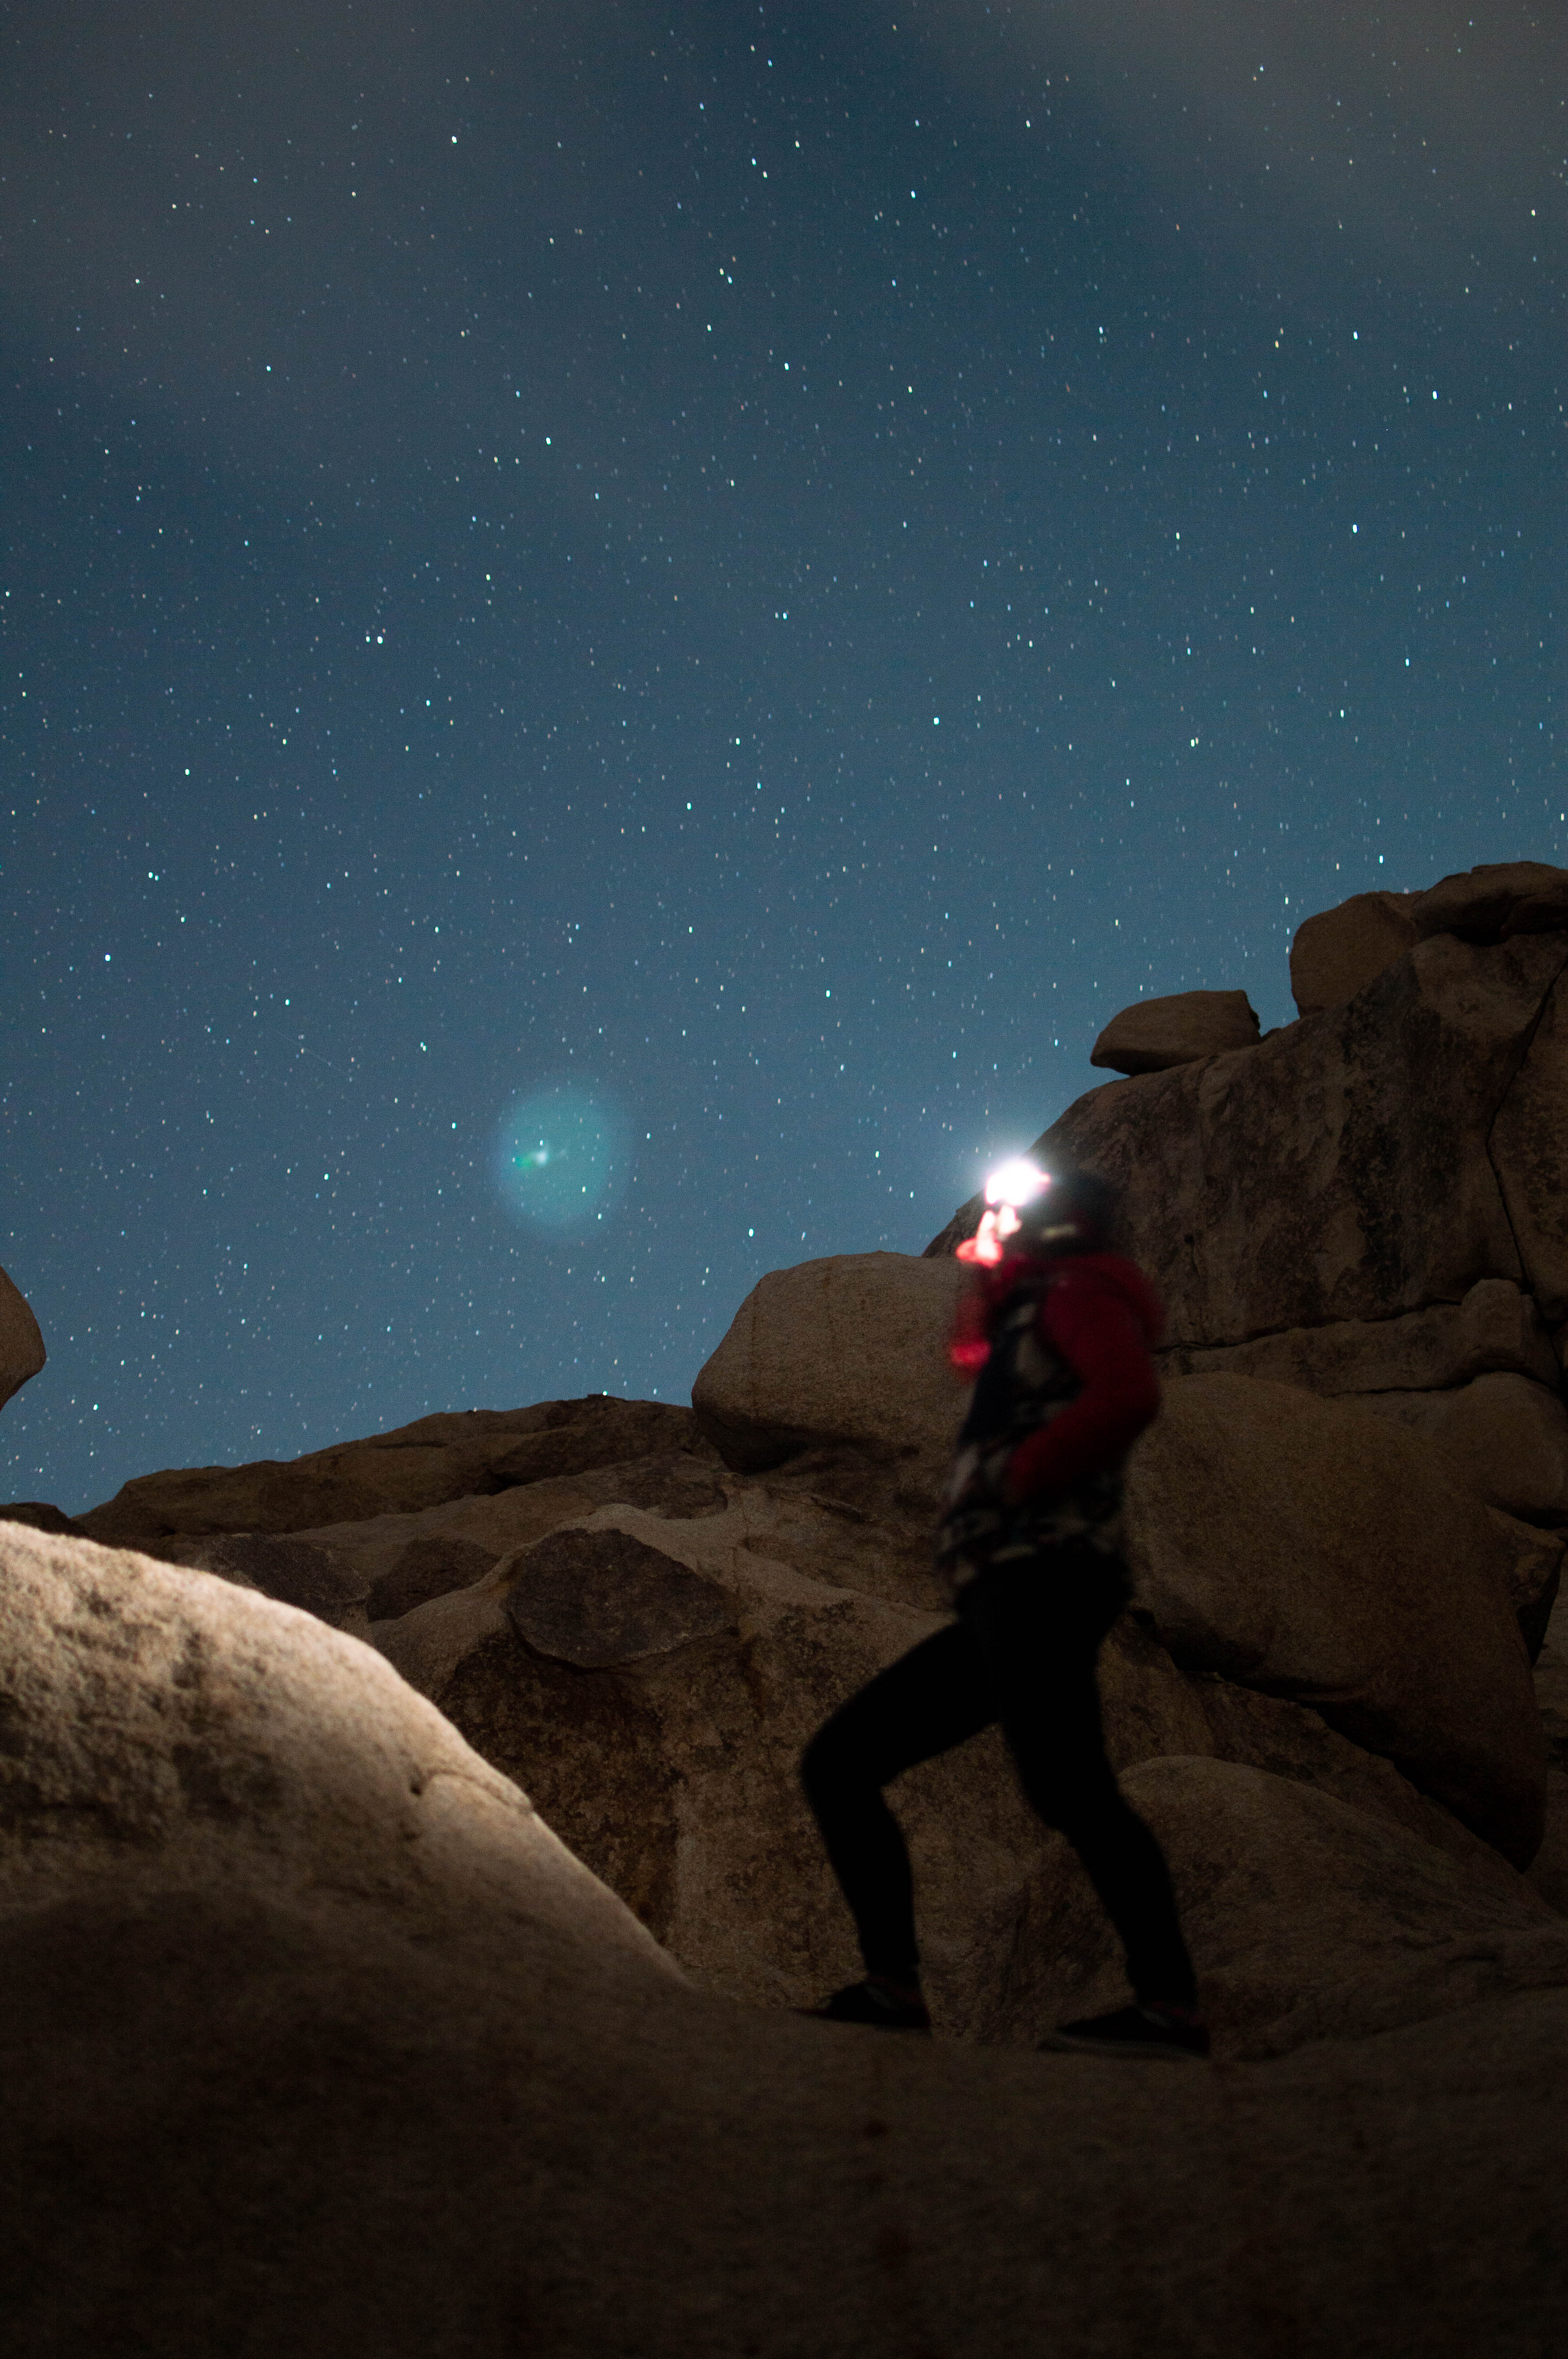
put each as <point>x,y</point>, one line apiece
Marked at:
<point>560,1156</point>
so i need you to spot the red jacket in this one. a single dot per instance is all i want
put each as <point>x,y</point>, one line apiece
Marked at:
<point>1102,1316</point>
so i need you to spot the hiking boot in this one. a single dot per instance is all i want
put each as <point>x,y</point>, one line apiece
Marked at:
<point>1154,2031</point>
<point>891,2006</point>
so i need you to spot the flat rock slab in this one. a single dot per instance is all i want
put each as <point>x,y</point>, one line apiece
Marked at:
<point>1154,1034</point>
<point>1495,902</point>
<point>594,1599</point>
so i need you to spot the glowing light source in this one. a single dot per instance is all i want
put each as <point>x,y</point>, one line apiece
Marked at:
<point>560,1154</point>
<point>1015,1184</point>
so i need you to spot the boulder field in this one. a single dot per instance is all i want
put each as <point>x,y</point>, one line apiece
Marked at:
<point>404,1883</point>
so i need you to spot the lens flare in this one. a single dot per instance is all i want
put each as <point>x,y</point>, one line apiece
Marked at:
<point>560,1157</point>
<point>1016,1182</point>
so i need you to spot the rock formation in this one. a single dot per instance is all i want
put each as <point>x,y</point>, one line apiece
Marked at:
<point>454,1919</point>
<point>1155,1034</point>
<point>316,2041</point>
<point>21,1344</point>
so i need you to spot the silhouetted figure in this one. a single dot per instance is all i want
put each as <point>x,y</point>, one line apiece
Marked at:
<point>1056,1333</point>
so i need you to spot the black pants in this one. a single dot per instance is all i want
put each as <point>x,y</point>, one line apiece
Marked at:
<point>1022,1652</point>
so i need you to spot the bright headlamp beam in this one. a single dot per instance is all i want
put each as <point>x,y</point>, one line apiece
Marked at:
<point>1016,1182</point>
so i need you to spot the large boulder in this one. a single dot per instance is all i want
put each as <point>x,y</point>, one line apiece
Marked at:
<point>1495,902</point>
<point>849,1349</point>
<point>651,1680</point>
<point>21,1344</point>
<point>1339,1170</point>
<point>1503,1437</point>
<point>1308,1918</point>
<point>300,1992</point>
<point>1339,952</point>
<point>1154,1034</point>
<point>184,1727</point>
<point>1306,1547</point>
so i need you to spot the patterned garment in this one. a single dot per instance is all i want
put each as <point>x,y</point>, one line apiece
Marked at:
<point>1025,1384</point>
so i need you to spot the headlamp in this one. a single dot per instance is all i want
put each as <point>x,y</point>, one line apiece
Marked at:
<point>1015,1183</point>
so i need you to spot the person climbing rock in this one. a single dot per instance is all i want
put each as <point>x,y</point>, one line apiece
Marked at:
<point>1055,1331</point>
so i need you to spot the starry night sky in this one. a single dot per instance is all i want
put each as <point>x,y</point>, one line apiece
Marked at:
<point>625,627</point>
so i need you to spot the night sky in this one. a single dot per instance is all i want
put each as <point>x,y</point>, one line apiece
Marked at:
<point>625,627</point>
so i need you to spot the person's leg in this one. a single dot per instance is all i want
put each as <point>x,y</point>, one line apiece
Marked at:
<point>1038,1629</point>
<point>930,1699</point>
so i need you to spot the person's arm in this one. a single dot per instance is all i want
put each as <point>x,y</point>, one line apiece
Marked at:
<point>1103,1341</point>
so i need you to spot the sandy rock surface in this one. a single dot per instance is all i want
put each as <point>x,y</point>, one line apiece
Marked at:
<point>1154,1034</point>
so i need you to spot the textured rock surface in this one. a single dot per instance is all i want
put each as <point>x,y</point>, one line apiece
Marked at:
<point>295,1572</point>
<point>291,1973</point>
<point>1502,1438</point>
<point>1495,1327</point>
<point>167,1723</point>
<point>1304,1547</point>
<point>21,1344</point>
<point>1154,1034</point>
<point>1495,902</point>
<point>1311,1919</point>
<point>810,1355</point>
<point>1340,951</point>
<point>1337,1171</point>
<point>425,1464</point>
<point>604,1598</point>
<point>1529,1150</point>
<point>367,2143</point>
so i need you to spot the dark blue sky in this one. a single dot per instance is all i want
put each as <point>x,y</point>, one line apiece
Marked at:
<point>756,571</point>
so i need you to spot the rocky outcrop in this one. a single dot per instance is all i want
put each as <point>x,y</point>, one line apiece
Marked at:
<point>292,1975</point>
<point>809,1355</point>
<point>1287,1893</point>
<point>1374,1201</point>
<point>1495,902</point>
<point>1337,1171</point>
<point>1337,953</point>
<point>22,1351</point>
<point>436,1459</point>
<point>1301,1547</point>
<point>1154,1034</point>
